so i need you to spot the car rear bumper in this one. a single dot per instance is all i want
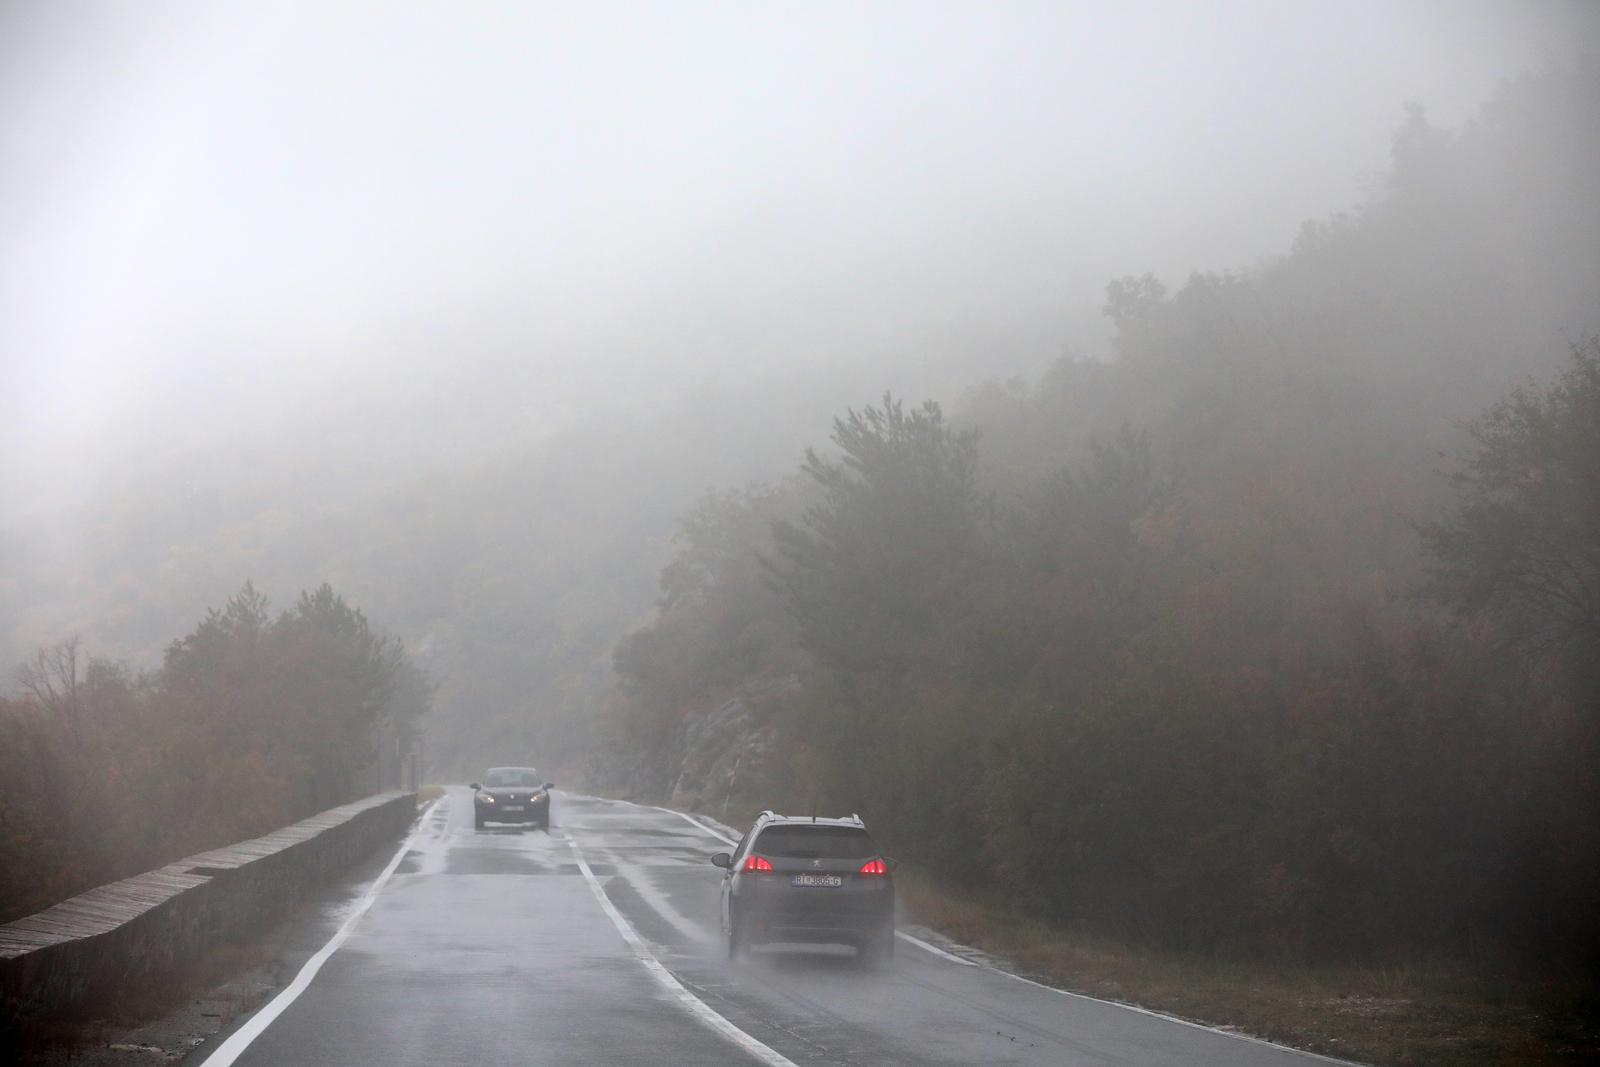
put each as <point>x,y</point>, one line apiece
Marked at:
<point>802,916</point>
<point>829,932</point>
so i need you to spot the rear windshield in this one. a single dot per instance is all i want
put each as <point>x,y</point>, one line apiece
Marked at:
<point>815,842</point>
<point>504,776</point>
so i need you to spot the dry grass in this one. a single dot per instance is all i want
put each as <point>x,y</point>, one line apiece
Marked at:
<point>428,793</point>
<point>1403,1016</point>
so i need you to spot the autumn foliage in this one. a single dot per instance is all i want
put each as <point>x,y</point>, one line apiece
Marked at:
<point>253,721</point>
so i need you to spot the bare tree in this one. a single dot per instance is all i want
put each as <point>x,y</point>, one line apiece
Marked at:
<point>50,679</point>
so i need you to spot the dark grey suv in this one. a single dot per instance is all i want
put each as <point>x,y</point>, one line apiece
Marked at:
<point>801,878</point>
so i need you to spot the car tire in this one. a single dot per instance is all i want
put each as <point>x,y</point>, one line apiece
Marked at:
<point>877,949</point>
<point>477,822</point>
<point>738,936</point>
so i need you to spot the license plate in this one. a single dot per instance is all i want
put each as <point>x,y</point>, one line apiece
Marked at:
<point>513,807</point>
<point>830,880</point>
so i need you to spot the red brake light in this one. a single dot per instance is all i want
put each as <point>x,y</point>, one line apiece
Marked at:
<point>754,863</point>
<point>874,866</point>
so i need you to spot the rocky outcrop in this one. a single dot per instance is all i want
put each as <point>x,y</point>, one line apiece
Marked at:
<point>718,750</point>
<point>719,762</point>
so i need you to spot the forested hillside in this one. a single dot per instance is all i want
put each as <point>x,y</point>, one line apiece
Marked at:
<point>1275,634</point>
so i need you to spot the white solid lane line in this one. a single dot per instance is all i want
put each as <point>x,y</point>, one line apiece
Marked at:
<point>697,824</point>
<point>1236,1035</point>
<point>257,1023</point>
<point>935,949</point>
<point>697,1007</point>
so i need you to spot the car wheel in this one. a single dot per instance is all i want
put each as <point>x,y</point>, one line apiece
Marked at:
<point>877,949</point>
<point>738,936</point>
<point>477,822</point>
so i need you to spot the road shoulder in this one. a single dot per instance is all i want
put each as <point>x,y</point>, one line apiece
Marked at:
<point>183,1023</point>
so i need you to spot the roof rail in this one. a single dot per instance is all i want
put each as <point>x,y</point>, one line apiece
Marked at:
<point>852,817</point>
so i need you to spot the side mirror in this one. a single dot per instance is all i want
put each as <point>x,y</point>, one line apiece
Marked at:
<point>889,863</point>
<point>723,860</point>
<point>548,786</point>
<point>476,787</point>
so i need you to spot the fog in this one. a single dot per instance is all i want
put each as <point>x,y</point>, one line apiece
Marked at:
<point>402,236</point>
<point>1141,458</point>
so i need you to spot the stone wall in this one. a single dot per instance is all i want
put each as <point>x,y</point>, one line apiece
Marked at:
<point>149,927</point>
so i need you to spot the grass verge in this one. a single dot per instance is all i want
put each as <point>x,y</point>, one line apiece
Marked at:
<point>1408,1015</point>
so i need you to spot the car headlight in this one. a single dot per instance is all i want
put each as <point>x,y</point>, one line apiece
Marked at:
<point>485,798</point>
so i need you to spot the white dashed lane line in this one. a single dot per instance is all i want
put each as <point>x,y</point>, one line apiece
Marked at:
<point>693,1004</point>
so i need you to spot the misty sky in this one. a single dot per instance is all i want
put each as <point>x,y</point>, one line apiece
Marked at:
<point>230,219</point>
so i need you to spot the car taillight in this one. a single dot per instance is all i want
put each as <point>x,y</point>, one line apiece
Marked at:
<point>753,864</point>
<point>874,866</point>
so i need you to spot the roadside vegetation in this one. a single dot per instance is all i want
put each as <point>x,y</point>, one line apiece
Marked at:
<point>1276,639</point>
<point>1405,1012</point>
<point>252,721</point>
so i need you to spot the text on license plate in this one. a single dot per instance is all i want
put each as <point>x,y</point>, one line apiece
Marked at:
<point>513,807</point>
<point>818,879</point>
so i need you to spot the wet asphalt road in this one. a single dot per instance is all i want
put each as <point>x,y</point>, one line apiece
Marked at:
<point>494,947</point>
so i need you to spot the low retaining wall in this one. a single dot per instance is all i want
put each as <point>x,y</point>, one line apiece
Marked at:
<point>146,927</point>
